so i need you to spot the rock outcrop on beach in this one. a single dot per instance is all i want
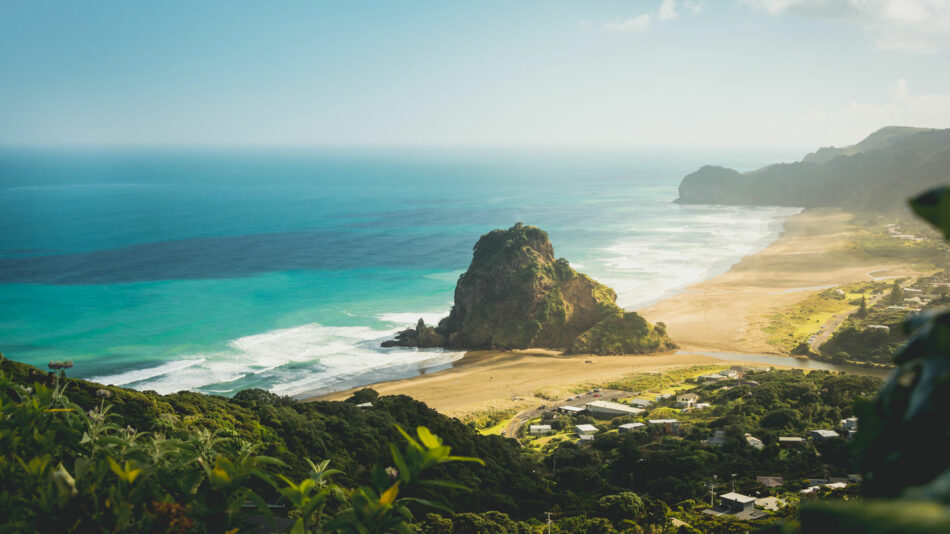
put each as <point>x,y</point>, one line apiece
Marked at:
<point>877,174</point>
<point>516,294</point>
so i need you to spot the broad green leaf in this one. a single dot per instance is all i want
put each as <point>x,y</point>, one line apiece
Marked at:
<point>428,439</point>
<point>934,207</point>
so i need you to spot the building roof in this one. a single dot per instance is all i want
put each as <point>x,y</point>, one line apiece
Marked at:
<point>365,405</point>
<point>688,396</point>
<point>540,427</point>
<point>571,408</point>
<point>586,428</point>
<point>737,497</point>
<point>826,433</point>
<point>629,426</point>
<point>662,421</point>
<point>790,438</point>
<point>836,485</point>
<point>614,406</point>
<point>641,402</point>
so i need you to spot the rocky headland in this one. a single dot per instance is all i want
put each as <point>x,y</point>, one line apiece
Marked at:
<point>516,295</point>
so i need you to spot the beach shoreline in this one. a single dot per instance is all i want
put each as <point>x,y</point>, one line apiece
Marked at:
<point>723,315</point>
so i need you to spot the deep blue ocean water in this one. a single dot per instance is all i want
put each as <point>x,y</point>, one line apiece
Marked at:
<point>217,270</point>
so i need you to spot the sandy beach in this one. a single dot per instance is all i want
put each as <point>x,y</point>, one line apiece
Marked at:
<point>728,313</point>
<point>725,314</point>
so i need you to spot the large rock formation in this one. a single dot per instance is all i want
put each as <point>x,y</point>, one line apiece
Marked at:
<point>515,295</point>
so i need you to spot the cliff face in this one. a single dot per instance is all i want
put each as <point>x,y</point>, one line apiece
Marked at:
<point>515,294</point>
<point>878,173</point>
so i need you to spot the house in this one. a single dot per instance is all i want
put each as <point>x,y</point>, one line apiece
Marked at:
<point>365,405</point>
<point>703,405</point>
<point>642,403</point>
<point>836,485</point>
<point>573,410</point>
<point>686,400</point>
<point>770,482</point>
<point>539,429</point>
<point>586,437</point>
<point>883,328</point>
<point>736,502</point>
<point>754,442</point>
<point>790,441</point>
<point>585,429</point>
<point>718,439</point>
<point>611,409</point>
<point>711,378</point>
<point>729,373</point>
<point>630,427</point>
<point>823,434</point>
<point>850,423</point>
<point>670,426</point>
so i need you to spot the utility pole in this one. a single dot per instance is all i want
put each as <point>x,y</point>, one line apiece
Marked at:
<point>549,521</point>
<point>712,490</point>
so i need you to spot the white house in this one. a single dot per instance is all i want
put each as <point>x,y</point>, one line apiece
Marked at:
<point>850,423</point>
<point>736,502</point>
<point>539,429</point>
<point>571,409</point>
<point>754,442</point>
<point>790,441</point>
<point>365,405</point>
<point>729,373</point>
<point>585,429</point>
<point>823,434</point>
<point>686,400</point>
<point>718,439</point>
<point>611,408</point>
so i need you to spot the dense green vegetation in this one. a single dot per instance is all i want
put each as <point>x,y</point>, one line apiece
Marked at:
<point>874,334</point>
<point>876,174</point>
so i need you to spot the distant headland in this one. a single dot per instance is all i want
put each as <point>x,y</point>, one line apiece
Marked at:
<point>878,173</point>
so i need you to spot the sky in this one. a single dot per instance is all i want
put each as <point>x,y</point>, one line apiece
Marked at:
<point>640,73</point>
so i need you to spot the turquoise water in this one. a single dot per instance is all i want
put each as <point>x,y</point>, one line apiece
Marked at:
<point>218,270</point>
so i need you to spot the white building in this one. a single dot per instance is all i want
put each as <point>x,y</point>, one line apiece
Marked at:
<point>585,429</point>
<point>754,442</point>
<point>539,429</point>
<point>686,400</point>
<point>571,409</point>
<point>611,408</point>
<point>823,434</point>
<point>850,423</point>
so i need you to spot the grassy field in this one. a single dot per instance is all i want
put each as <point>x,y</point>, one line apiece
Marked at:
<point>789,328</point>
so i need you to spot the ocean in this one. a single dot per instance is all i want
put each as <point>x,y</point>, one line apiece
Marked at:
<point>216,270</point>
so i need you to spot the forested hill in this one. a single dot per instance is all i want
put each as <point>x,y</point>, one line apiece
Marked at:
<point>878,173</point>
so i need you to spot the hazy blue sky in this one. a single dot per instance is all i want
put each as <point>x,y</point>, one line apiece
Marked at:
<point>644,73</point>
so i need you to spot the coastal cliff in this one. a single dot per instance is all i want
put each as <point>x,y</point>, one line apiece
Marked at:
<point>888,166</point>
<point>516,294</point>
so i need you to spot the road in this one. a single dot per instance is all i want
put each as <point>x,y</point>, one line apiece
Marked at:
<point>832,324</point>
<point>522,417</point>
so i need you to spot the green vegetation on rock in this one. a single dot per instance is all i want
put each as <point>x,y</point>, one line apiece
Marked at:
<point>516,295</point>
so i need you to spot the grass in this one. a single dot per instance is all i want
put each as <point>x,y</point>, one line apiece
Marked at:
<point>796,324</point>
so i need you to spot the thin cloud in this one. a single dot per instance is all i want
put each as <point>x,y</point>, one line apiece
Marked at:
<point>630,25</point>
<point>667,11</point>
<point>921,26</point>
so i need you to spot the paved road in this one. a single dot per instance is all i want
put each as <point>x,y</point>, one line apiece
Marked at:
<point>522,417</point>
<point>832,324</point>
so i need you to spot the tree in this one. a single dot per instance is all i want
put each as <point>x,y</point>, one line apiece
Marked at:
<point>862,308</point>
<point>897,293</point>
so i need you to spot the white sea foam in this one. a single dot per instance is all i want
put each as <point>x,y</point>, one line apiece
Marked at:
<point>309,358</point>
<point>654,263</point>
<point>137,375</point>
